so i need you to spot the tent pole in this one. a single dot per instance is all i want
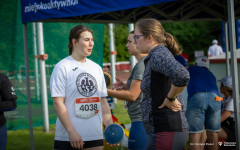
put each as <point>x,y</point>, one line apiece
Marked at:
<point>112,49</point>
<point>132,58</point>
<point>36,73</point>
<point>234,68</point>
<point>28,85</point>
<point>43,78</point>
<point>227,48</point>
<point>112,53</point>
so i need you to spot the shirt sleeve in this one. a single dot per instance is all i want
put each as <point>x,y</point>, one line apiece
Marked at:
<point>8,96</point>
<point>58,82</point>
<point>229,106</point>
<point>102,87</point>
<point>165,63</point>
<point>138,71</point>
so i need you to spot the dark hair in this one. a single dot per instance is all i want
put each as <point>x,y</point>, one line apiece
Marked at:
<point>153,27</point>
<point>75,34</point>
<point>228,89</point>
<point>132,32</point>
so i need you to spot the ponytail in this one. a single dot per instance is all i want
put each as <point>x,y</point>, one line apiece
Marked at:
<point>172,44</point>
<point>153,27</point>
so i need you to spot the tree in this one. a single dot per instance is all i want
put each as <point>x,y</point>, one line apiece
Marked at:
<point>192,36</point>
<point>121,34</point>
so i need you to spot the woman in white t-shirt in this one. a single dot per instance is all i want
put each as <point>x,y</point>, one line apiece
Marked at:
<point>78,90</point>
<point>227,111</point>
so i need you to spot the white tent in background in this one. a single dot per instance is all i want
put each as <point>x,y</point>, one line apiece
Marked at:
<point>218,63</point>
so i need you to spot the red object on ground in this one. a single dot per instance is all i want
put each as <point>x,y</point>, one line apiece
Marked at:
<point>115,119</point>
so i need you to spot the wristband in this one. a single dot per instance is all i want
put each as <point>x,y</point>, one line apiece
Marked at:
<point>171,99</point>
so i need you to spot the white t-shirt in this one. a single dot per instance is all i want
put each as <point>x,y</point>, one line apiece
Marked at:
<point>215,50</point>
<point>79,82</point>
<point>227,104</point>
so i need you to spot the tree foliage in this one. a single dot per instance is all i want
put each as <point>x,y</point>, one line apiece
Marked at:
<point>192,36</point>
<point>121,34</point>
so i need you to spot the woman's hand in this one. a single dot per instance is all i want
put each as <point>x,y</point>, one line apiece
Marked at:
<point>173,105</point>
<point>76,140</point>
<point>119,85</point>
<point>114,144</point>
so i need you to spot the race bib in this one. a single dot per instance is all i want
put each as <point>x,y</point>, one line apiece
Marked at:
<point>87,107</point>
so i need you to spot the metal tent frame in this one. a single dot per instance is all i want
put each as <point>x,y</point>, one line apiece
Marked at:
<point>173,11</point>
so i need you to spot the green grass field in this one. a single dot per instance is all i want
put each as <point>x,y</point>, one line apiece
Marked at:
<point>20,139</point>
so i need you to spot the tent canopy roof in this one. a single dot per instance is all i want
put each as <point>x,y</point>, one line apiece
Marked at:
<point>122,11</point>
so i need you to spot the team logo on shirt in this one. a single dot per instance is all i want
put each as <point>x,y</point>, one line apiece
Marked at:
<point>13,91</point>
<point>86,84</point>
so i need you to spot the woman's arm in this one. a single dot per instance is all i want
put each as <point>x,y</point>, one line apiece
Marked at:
<point>106,112</point>
<point>173,105</point>
<point>75,139</point>
<point>225,114</point>
<point>166,64</point>
<point>128,95</point>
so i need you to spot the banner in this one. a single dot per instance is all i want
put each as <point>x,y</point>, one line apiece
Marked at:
<point>33,10</point>
<point>223,37</point>
<point>238,33</point>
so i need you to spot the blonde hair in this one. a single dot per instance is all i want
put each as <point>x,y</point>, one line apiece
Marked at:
<point>153,27</point>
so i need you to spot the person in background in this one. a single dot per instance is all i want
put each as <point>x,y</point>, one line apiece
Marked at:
<point>79,94</point>
<point>215,49</point>
<point>131,93</point>
<point>204,106</point>
<point>227,112</point>
<point>182,60</point>
<point>163,80</point>
<point>7,103</point>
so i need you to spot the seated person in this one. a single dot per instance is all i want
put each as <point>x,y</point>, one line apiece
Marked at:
<point>227,116</point>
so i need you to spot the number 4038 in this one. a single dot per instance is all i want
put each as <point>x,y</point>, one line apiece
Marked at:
<point>90,107</point>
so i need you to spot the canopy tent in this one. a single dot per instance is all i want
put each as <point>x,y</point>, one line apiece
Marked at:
<point>123,11</point>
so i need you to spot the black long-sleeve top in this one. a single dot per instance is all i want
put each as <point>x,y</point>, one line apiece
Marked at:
<point>7,98</point>
<point>162,70</point>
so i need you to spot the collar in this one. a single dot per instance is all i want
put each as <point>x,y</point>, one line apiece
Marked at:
<point>152,52</point>
<point>226,100</point>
